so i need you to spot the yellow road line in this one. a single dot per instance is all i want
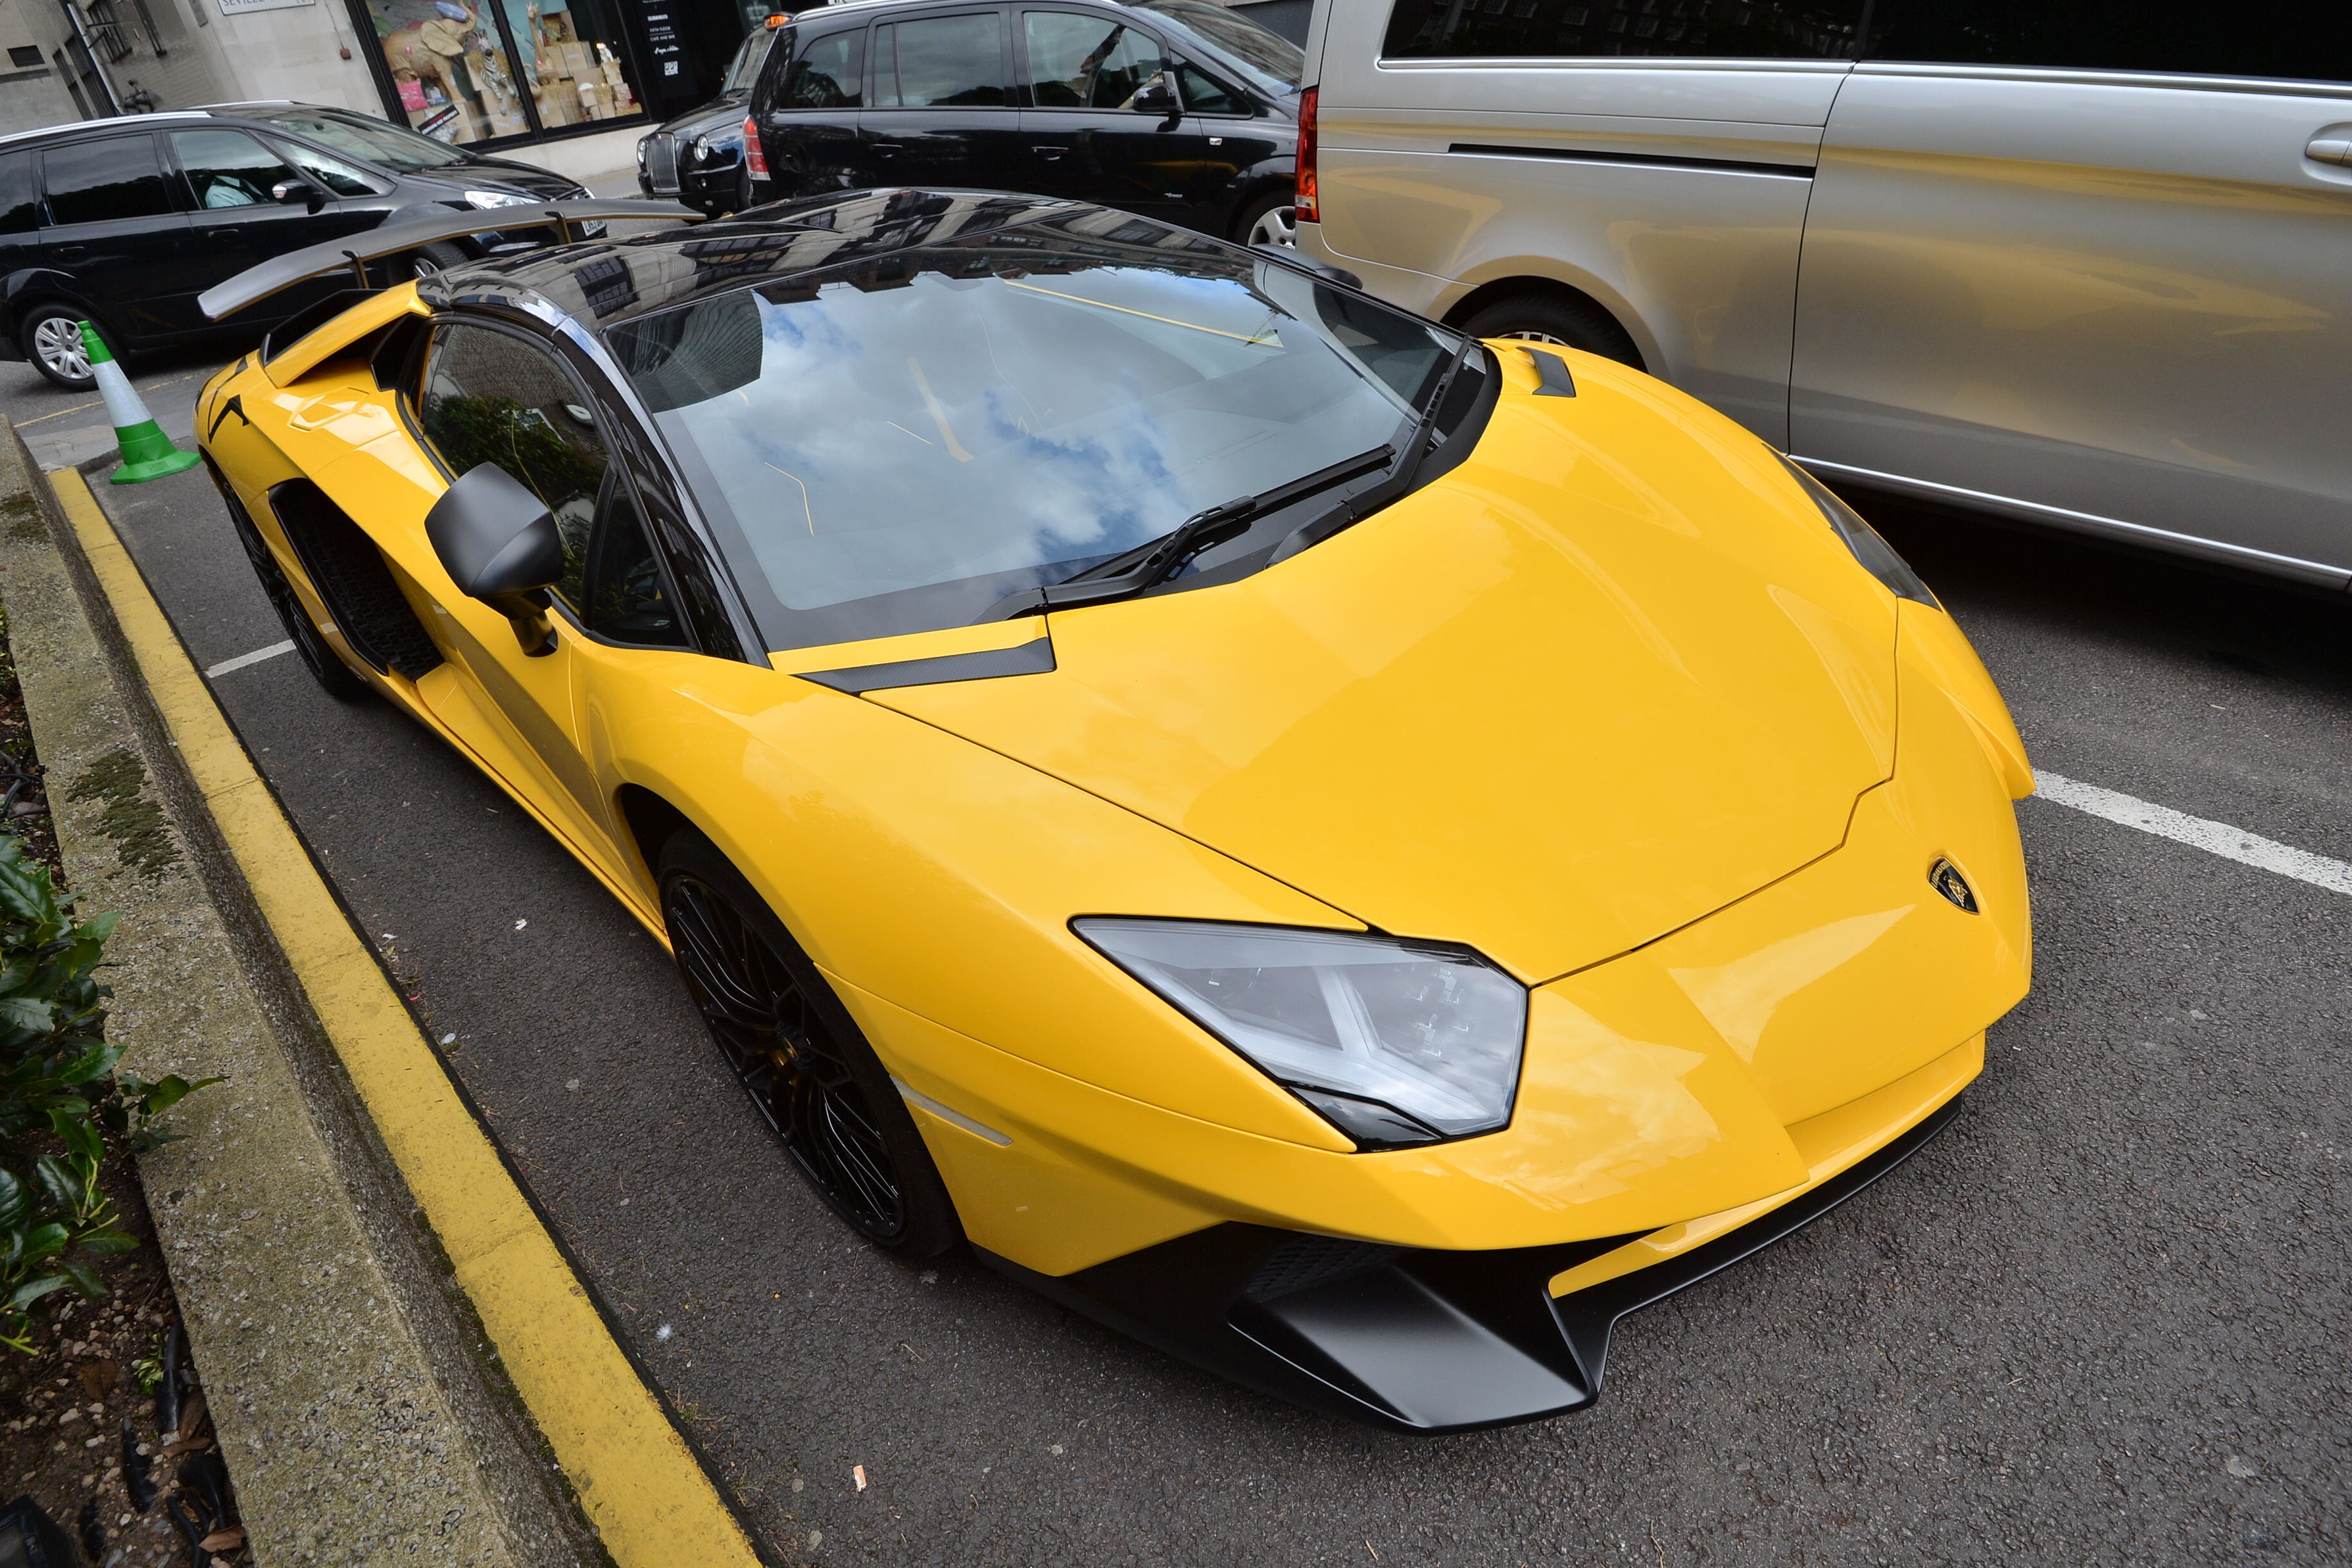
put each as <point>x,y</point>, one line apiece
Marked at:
<point>649,1498</point>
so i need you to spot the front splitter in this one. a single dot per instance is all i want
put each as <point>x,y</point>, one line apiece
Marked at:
<point>1417,1340</point>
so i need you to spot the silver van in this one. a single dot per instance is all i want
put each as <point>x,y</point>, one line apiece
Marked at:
<point>2088,264</point>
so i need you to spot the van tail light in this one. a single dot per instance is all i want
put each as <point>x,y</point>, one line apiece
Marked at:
<point>1305,198</point>
<point>755,157</point>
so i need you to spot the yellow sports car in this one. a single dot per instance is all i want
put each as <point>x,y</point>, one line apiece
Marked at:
<point>1356,854</point>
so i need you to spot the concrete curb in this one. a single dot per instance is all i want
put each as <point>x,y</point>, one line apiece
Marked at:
<point>357,1401</point>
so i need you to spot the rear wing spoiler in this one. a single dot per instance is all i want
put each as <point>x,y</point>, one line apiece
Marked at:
<point>411,230</point>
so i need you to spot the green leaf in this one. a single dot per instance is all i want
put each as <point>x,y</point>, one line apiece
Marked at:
<point>44,1240</point>
<point>26,1013</point>
<point>32,1291</point>
<point>108,1242</point>
<point>85,1278</point>
<point>79,1136</point>
<point>64,1190</point>
<point>97,927</point>
<point>25,889</point>
<point>162,1095</point>
<point>15,1201</point>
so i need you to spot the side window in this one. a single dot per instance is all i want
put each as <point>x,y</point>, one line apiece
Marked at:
<point>228,169</point>
<point>628,601</point>
<point>939,62</point>
<point>490,397</point>
<point>108,180</point>
<point>330,174</point>
<point>1688,29</point>
<point>20,198</point>
<point>2099,35</point>
<point>829,74</point>
<point>1204,94</point>
<point>1087,62</point>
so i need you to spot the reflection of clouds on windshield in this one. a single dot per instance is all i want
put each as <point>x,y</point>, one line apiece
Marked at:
<point>954,429</point>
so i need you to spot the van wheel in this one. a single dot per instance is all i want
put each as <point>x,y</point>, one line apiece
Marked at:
<point>52,339</point>
<point>799,1056</point>
<point>1542,317</point>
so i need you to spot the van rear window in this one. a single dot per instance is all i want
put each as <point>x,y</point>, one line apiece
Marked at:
<point>1548,30</point>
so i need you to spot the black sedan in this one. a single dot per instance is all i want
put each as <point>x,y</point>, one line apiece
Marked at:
<point>123,223</point>
<point>1178,110</point>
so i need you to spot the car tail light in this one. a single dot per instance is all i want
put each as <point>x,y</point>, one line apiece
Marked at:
<point>1305,198</point>
<point>755,157</point>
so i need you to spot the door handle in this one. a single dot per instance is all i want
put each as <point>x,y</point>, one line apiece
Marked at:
<point>1051,152</point>
<point>2336,149</point>
<point>889,147</point>
<point>72,252</point>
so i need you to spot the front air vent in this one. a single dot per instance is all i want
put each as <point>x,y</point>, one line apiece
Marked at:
<point>1304,1261</point>
<point>350,574</point>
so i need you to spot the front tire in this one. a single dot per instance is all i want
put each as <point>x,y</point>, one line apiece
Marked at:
<point>52,339</point>
<point>796,1051</point>
<point>432,260</point>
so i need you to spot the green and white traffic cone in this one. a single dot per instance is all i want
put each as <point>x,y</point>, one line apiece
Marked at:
<point>147,452</point>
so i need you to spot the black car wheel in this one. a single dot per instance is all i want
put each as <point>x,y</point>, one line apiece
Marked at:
<point>437,257</point>
<point>52,339</point>
<point>1570,322</point>
<point>328,671</point>
<point>799,1055</point>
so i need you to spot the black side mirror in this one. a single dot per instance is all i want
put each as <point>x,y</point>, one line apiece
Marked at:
<point>290,192</point>
<point>1156,97</point>
<point>500,544</point>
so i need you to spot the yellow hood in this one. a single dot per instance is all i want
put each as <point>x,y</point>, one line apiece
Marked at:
<point>1552,705</point>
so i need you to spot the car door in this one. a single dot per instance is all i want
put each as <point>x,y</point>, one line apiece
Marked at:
<point>491,394</point>
<point>1237,136</point>
<point>1085,136</point>
<point>20,208</point>
<point>809,127</point>
<point>940,114</point>
<point>2042,274</point>
<point>228,179</point>
<point>115,231</point>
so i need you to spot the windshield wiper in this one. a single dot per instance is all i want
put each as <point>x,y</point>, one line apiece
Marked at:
<point>1398,482</point>
<point>1168,554</point>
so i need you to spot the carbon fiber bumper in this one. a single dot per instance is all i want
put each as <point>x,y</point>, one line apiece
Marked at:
<point>1418,1341</point>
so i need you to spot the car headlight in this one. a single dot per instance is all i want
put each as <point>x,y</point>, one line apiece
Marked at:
<point>1876,556</point>
<point>498,198</point>
<point>1393,1042</point>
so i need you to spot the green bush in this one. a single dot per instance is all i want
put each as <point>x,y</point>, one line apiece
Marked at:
<point>62,1102</point>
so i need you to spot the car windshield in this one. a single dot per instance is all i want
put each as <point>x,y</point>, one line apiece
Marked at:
<point>374,141</point>
<point>1269,54</point>
<point>744,70</point>
<point>899,445</point>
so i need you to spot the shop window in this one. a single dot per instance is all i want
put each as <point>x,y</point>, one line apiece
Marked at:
<point>462,72</point>
<point>572,61</point>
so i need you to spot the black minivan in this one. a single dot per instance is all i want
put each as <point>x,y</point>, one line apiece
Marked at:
<point>1177,109</point>
<point>125,222</point>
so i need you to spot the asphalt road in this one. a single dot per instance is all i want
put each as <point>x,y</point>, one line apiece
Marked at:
<point>2104,1320</point>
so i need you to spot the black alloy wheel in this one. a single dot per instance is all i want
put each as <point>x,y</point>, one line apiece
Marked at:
<point>799,1057</point>
<point>325,668</point>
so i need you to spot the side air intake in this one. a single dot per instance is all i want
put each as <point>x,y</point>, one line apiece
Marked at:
<point>350,573</point>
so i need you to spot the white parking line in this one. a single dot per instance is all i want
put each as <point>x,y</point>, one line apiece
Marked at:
<point>2197,833</point>
<point>242,660</point>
